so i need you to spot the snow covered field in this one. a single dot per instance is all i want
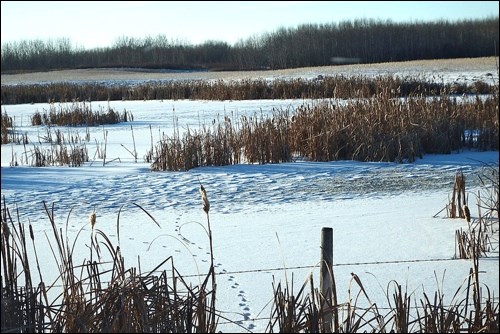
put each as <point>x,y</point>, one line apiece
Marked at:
<point>264,218</point>
<point>464,70</point>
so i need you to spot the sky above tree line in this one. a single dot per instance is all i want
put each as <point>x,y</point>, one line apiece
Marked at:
<point>91,24</point>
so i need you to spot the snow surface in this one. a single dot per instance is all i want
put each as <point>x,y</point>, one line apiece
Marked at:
<point>458,71</point>
<point>264,218</point>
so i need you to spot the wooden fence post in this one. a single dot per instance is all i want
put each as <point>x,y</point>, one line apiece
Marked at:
<point>327,282</point>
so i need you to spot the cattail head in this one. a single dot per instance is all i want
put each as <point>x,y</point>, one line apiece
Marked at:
<point>92,219</point>
<point>5,230</point>
<point>466,211</point>
<point>204,199</point>
<point>32,235</point>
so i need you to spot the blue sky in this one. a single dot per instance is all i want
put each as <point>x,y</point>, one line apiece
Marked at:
<point>92,24</point>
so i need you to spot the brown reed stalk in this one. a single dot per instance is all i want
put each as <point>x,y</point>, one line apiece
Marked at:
<point>209,323</point>
<point>338,86</point>
<point>377,129</point>
<point>77,114</point>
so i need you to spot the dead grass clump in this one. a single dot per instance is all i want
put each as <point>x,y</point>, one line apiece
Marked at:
<point>458,199</point>
<point>55,155</point>
<point>9,133</point>
<point>480,237</point>
<point>381,128</point>
<point>100,295</point>
<point>56,148</point>
<point>218,145</point>
<point>266,139</point>
<point>78,114</point>
<point>468,311</point>
<point>6,124</point>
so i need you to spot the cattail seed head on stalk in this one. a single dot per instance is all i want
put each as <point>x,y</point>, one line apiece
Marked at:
<point>5,230</point>
<point>204,199</point>
<point>92,219</point>
<point>32,235</point>
<point>466,212</point>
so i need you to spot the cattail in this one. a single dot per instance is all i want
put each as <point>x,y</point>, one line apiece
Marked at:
<point>466,211</point>
<point>204,199</point>
<point>92,219</point>
<point>5,230</point>
<point>32,235</point>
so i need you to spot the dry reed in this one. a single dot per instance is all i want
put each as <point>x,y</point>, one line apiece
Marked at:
<point>77,114</point>
<point>338,86</point>
<point>378,129</point>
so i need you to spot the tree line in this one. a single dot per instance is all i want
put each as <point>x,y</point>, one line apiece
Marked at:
<point>356,41</point>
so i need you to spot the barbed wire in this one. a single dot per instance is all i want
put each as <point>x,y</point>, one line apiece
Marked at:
<point>246,319</point>
<point>250,271</point>
<point>334,265</point>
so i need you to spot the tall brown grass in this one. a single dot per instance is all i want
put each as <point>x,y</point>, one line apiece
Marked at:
<point>469,311</point>
<point>8,132</point>
<point>77,114</point>
<point>54,149</point>
<point>382,128</point>
<point>6,124</point>
<point>481,235</point>
<point>99,295</point>
<point>71,149</point>
<point>338,86</point>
